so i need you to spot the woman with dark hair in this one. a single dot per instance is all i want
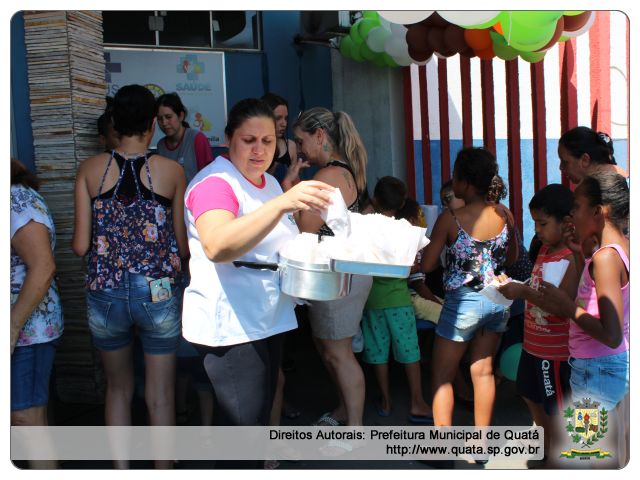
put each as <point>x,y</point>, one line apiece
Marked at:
<point>36,312</point>
<point>129,219</point>
<point>480,242</point>
<point>286,153</point>
<point>330,141</point>
<point>584,151</point>
<point>234,211</point>
<point>188,146</point>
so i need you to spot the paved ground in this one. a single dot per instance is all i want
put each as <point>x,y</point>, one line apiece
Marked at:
<point>308,389</point>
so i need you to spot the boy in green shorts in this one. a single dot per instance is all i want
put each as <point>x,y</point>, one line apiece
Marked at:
<point>389,321</point>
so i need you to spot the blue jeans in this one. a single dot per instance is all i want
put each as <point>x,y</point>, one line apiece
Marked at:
<point>603,379</point>
<point>113,312</point>
<point>465,311</point>
<point>30,371</point>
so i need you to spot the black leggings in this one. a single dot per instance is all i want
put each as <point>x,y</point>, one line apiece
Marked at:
<point>244,379</point>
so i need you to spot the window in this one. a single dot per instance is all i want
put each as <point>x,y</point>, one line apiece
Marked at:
<point>238,30</point>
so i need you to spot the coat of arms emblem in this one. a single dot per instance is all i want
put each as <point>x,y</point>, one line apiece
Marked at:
<point>586,424</point>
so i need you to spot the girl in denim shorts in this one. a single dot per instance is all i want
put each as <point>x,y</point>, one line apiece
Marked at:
<point>479,244</point>
<point>129,221</point>
<point>599,327</point>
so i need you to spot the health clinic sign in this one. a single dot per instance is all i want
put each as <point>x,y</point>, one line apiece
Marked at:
<point>198,77</point>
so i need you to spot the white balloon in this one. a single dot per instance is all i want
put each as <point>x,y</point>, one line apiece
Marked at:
<point>402,16</point>
<point>375,39</point>
<point>469,17</point>
<point>585,27</point>
<point>384,23</point>
<point>395,46</point>
<point>403,60</point>
<point>398,30</point>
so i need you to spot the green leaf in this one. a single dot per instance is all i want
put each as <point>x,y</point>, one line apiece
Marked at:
<point>576,438</point>
<point>568,413</point>
<point>569,428</point>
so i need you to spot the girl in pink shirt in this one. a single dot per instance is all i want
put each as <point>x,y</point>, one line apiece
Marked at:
<point>599,327</point>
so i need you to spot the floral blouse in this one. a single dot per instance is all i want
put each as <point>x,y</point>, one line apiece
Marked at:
<point>45,323</point>
<point>473,262</point>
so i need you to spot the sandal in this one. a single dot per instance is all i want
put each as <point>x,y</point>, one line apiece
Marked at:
<point>326,420</point>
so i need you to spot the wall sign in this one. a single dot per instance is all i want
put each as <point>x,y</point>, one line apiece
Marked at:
<point>198,77</point>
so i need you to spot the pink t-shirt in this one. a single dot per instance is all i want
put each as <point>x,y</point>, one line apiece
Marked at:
<point>213,193</point>
<point>581,344</point>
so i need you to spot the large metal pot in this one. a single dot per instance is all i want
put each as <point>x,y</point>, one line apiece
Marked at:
<point>310,281</point>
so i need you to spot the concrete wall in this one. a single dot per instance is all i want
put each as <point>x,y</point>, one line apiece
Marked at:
<point>373,97</point>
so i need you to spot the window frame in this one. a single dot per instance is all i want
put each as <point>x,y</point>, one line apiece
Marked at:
<point>157,46</point>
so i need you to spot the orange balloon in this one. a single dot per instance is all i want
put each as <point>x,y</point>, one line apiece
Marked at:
<point>486,53</point>
<point>498,28</point>
<point>478,39</point>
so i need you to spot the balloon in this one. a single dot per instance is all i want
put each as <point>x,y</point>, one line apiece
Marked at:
<point>500,47</point>
<point>376,38</point>
<point>498,28</point>
<point>477,39</point>
<point>395,47</point>
<point>556,36</point>
<point>366,52</point>
<point>454,38</point>
<point>535,18</point>
<point>379,61</point>
<point>346,46</point>
<point>388,60</point>
<point>571,13</point>
<point>468,52</point>
<point>405,16</point>
<point>417,38</point>
<point>355,53</point>
<point>370,14</point>
<point>532,57</point>
<point>584,28</point>
<point>573,23</point>
<point>403,60</point>
<point>435,39</point>
<point>420,56</point>
<point>510,360</point>
<point>365,26</point>
<point>469,18</point>
<point>354,34</point>
<point>528,39</point>
<point>486,54</point>
<point>435,20</point>
<point>398,30</point>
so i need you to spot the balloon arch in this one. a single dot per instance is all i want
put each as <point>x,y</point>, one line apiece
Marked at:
<point>400,38</point>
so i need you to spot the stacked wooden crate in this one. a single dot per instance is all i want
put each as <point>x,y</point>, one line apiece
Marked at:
<point>67,90</point>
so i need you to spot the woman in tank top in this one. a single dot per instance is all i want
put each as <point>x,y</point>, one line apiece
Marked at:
<point>286,153</point>
<point>331,142</point>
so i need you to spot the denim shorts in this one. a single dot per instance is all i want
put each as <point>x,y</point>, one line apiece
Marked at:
<point>30,371</point>
<point>602,379</point>
<point>465,311</point>
<point>113,312</point>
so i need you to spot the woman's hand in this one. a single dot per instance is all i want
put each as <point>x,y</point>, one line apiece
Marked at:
<point>292,177</point>
<point>310,195</point>
<point>555,301</point>
<point>569,235</point>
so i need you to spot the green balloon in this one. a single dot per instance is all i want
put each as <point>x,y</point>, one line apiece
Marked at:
<point>365,26</point>
<point>355,34</point>
<point>346,47</point>
<point>529,39</point>
<point>500,47</point>
<point>366,52</point>
<point>532,57</point>
<point>510,360</point>
<point>355,53</point>
<point>572,13</point>
<point>389,59</point>
<point>379,60</point>
<point>372,14</point>
<point>536,18</point>
<point>563,38</point>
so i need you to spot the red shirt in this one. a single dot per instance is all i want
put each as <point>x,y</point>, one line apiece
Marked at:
<point>545,336</point>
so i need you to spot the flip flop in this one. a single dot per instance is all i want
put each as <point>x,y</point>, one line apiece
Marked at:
<point>381,411</point>
<point>328,420</point>
<point>421,419</point>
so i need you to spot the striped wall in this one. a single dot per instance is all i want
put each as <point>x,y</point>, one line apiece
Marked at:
<point>517,110</point>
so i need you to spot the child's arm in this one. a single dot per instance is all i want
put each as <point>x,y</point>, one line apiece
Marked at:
<point>431,253</point>
<point>608,268</point>
<point>425,292</point>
